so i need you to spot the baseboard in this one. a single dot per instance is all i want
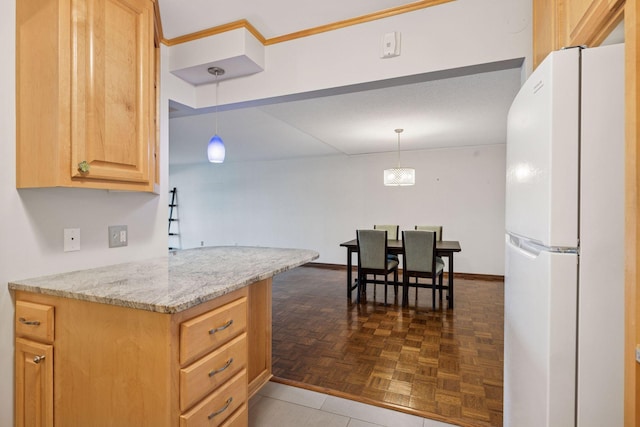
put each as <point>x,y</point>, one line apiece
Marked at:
<point>475,276</point>
<point>328,266</point>
<point>468,276</point>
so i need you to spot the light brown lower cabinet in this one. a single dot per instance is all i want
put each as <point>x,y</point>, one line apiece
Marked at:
<point>260,334</point>
<point>34,384</point>
<point>109,365</point>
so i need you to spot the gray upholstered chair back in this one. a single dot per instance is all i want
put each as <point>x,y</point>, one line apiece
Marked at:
<point>372,248</point>
<point>419,249</point>
<point>435,228</point>
<point>392,230</point>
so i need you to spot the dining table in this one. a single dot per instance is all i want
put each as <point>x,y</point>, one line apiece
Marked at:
<point>444,248</point>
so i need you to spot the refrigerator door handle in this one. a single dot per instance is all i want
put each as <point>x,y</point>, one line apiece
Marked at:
<point>532,248</point>
<point>526,247</point>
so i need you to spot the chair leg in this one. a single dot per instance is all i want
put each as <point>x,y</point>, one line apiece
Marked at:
<point>386,284</point>
<point>363,289</point>
<point>395,282</point>
<point>375,288</point>
<point>433,291</point>
<point>440,287</point>
<point>395,286</point>
<point>405,291</point>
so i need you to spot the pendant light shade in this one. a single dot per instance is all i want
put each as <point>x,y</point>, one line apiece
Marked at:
<point>215,149</point>
<point>399,176</point>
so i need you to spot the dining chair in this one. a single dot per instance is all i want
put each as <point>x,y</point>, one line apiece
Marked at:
<point>420,262</point>
<point>435,228</point>
<point>372,260</point>
<point>392,230</point>
<point>392,234</point>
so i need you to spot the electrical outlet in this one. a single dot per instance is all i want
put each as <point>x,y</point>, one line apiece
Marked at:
<point>118,236</point>
<point>71,239</point>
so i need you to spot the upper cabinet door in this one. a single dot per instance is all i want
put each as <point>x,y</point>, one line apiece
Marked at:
<point>112,90</point>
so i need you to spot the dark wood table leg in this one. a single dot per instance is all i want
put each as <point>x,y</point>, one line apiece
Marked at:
<point>451,280</point>
<point>349,251</point>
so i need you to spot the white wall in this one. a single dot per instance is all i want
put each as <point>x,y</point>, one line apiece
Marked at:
<point>317,203</point>
<point>33,220</point>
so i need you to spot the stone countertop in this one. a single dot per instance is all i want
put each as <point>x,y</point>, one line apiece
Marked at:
<point>170,284</point>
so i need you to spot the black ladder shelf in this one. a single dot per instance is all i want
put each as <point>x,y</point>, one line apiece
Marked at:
<point>173,217</point>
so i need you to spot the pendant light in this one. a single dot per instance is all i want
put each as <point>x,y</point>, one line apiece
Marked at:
<point>399,176</point>
<point>215,149</point>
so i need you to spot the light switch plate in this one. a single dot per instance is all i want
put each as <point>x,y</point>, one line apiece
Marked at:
<point>118,236</point>
<point>71,239</point>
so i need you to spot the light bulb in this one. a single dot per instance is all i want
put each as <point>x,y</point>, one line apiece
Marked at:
<point>216,150</point>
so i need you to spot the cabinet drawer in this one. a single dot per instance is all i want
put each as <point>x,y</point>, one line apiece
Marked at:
<point>34,321</point>
<point>240,418</point>
<point>204,333</point>
<point>219,405</point>
<point>211,371</point>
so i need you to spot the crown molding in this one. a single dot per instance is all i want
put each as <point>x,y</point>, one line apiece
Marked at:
<point>243,23</point>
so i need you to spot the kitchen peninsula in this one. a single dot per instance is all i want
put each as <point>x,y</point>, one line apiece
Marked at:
<point>179,340</point>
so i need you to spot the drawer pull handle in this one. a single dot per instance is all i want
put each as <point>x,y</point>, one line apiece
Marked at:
<point>29,322</point>
<point>221,328</point>
<point>217,371</point>
<point>221,410</point>
<point>38,359</point>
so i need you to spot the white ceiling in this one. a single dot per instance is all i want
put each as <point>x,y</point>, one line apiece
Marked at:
<point>459,108</point>
<point>457,111</point>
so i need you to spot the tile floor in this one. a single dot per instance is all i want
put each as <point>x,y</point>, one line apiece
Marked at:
<point>279,405</point>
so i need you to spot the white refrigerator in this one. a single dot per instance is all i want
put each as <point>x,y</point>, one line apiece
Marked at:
<point>564,293</point>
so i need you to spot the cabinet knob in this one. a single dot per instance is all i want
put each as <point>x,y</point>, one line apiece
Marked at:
<point>84,166</point>
<point>38,359</point>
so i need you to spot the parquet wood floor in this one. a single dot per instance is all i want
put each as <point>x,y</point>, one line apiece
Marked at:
<point>441,364</point>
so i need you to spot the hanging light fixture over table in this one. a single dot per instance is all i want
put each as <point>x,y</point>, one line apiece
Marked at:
<point>215,149</point>
<point>399,176</point>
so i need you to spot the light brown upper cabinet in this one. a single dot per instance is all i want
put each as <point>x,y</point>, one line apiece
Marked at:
<point>562,23</point>
<point>85,95</point>
<point>590,21</point>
